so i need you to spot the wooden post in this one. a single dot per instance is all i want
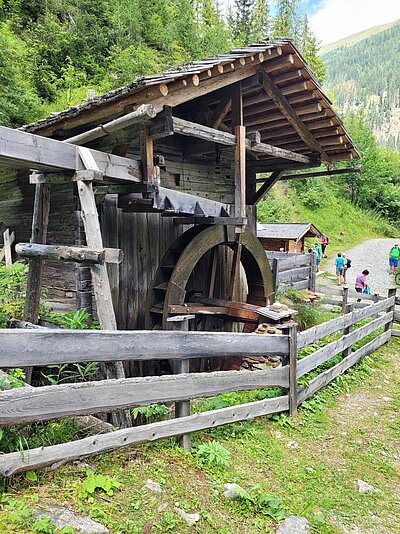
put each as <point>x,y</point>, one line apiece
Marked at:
<point>240,172</point>
<point>313,274</point>
<point>348,309</point>
<point>182,408</point>
<point>391,293</point>
<point>147,155</point>
<point>293,369</point>
<point>101,284</point>
<point>275,274</point>
<point>83,277</point>
<point>41,210</point>
<point>345,299</point>
<point>7,247</point>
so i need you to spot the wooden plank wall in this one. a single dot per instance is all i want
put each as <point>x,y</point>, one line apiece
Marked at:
<point>16,208</point>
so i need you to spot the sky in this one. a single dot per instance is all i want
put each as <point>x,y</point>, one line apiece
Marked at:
<point>331,20</point>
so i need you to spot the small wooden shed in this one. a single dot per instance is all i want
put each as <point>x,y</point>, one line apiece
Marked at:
<point>286,237</point>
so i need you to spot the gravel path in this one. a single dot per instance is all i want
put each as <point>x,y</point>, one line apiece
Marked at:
<point>371,255</point>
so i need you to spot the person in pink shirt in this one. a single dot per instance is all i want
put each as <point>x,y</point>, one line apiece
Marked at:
<point>324,242</point>
<point>361,282</point>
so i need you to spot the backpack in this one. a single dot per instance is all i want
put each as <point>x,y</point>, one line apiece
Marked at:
<point>348,264</point>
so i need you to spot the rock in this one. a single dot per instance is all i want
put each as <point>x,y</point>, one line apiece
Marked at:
<point>292,444</point>
<point>234,491</point>
<point>62,517</point>
<point>364,487</point>
<point>153,486</point>
<point>163,506</point>
<point>294,524</point>
<point>190,519</point>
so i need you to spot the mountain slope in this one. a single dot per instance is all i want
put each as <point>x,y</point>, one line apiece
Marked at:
<point>356,37</point>
<point>365,75</point>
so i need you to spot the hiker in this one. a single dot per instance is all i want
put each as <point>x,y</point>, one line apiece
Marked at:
<point>339,263</point>
<point>361,282</point>
<point>324,242</point>
<point>318,255</point>
<point>346,265</point>
<point>394,259</point>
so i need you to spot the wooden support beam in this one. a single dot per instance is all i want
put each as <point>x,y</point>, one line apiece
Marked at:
<point>147,155</point>
<point>240,172</point>
<point>68,253</point>
<point>101,283</point>
<point>24,150</point>
<point>269,182</point>
<point>313,174</point>
<point>221,111</point>
<point>290,114</point>
<point>263,148</point>
<point>142,114</point>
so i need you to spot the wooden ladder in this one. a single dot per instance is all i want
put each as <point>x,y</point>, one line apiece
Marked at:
<point>94,242</point>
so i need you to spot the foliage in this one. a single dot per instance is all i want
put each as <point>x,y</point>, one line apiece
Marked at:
<point>66,372</point>
<point>257,502</point>
<point>149,414</point>
<point>96,482</point>
<point>12,282</point>
<point>212,453</point>
<point>361,76</point>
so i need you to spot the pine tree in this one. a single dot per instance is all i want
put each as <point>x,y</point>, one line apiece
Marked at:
<point>261,20</point>
<point>286,19</point>
<point>242,29</point>
<point>309,48</point>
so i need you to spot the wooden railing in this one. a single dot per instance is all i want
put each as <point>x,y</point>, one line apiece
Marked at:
<point>26,348</point>
<point>5,250</point>
<point>296,271</point>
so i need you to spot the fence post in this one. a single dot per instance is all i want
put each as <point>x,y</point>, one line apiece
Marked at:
<point>313,274</point>
<point>275,274</point>
<point>391,293</point>
<point>345,299</point>
<point>292,369</point>
<point>7,247</point>
<point>349,308</point>
<point>182,408</point>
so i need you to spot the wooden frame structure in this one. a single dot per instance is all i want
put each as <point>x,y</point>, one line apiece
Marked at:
<point>128,172</point>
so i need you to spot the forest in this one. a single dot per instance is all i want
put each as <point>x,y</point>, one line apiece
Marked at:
<point>361,76</point>
<point>54,53</point>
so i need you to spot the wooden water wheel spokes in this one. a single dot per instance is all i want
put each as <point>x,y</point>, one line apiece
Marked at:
<point>201,262</point>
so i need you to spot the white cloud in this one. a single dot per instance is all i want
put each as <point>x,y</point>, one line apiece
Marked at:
<point>335,19</point>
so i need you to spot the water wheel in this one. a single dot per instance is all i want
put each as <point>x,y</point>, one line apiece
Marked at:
<point>201,263</point>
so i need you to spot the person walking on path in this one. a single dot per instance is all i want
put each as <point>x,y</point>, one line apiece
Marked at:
<point>324,242</point>
<point>394,259</point>
<point>346,265</point>
<point>318,254</point>
<point>361,282</point>
<point>339,263</point>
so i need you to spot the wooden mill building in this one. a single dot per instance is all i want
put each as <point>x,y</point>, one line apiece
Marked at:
<point>172,160</point>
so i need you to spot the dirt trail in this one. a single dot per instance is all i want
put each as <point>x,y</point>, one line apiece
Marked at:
<point>371,255</point>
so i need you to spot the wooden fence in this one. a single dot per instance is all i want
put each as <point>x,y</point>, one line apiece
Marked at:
<point>26,348</point>
<point>296,271</point>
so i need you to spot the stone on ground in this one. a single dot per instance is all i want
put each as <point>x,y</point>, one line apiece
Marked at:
<point>234,491</point>
<point>364,487</point>
<point>62,517</point>
<point>294,525</point>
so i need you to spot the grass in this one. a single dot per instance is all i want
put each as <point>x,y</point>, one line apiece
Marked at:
<point>305,466</point>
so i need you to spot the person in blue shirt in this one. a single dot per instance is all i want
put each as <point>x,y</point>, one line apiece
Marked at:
<point>318,254</point>
<point>339,264</point>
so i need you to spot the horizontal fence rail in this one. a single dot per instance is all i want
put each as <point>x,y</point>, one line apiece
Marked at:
<point>295,271</point>
<point>324,354</point>
<point>324,378</point>
<point>18,462</point>
<point>27,348</point>
<point>27,405</point>
<point>334,325</point>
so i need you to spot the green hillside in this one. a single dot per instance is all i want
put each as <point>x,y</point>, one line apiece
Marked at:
<point>363,76</point>
<point>356,37</point>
